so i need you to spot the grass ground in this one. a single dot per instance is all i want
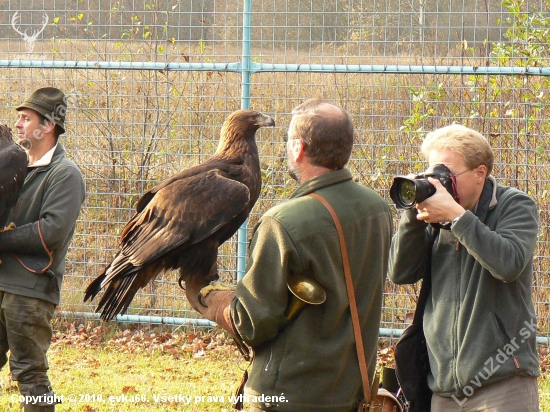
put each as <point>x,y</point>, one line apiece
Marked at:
<point>97,380</point>
<point>544,392</point>
<point>138,370</point>
<point>94,370</point>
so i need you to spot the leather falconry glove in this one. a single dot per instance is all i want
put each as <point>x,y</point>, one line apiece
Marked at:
<point>215,306</point>
<point>22,240</point>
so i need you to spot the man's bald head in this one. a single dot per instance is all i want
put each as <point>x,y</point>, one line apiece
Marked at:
<point>326,131</point>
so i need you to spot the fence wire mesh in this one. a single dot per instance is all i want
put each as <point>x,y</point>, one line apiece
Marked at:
<point>399,67</point>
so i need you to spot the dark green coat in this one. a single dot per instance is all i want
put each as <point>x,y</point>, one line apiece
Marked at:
<point>480,314</point>
<point>54,195</point>
<point>312,361</point>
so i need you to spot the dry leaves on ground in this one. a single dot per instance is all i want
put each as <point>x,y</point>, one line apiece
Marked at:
<point>183,344</point>
<point>137,341</point>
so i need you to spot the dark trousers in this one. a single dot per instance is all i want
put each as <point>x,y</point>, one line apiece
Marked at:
<point>26,331</point>
<point>518,394</point>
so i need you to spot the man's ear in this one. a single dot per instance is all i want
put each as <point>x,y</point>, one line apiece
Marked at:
<point>47,126</point>
<point>481,173</point>
<point>298,149</point>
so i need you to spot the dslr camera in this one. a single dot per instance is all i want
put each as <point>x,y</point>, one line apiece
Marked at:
<point>407,192</point>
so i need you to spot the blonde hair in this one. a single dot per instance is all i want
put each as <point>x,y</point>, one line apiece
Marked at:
<point>472,145</point>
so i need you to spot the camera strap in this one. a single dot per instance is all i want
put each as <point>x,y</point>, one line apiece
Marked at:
<point>454,185</point>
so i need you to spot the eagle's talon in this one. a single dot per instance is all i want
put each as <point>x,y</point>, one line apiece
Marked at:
<point>199,298</point>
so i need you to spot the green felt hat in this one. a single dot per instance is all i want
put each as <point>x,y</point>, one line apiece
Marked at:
<point>49,102</point>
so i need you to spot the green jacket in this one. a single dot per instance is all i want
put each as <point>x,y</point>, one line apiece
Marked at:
<point>479,320</point>
<point>312,362</point>
<point>54,195</point>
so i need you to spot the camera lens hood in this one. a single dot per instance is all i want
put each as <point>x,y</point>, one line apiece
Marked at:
<point>407,192</point>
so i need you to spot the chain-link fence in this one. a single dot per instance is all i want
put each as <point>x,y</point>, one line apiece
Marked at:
<point>150,83</point>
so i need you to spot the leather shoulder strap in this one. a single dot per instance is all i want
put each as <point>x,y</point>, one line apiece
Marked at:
<point>351,297</point>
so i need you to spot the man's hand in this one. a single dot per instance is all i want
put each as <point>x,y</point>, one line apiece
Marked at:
<point>441,207</point>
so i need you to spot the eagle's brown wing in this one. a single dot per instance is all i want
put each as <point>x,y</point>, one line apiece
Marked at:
<point>186,211</point>
<point>179,215</point>
<point>13,169</point>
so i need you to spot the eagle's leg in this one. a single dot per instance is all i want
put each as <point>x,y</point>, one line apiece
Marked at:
<point>11,226</point>
<point>215,284</point>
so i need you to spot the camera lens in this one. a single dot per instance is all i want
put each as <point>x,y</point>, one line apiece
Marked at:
<point>403,192</point>
<point>407,193</point>
<point>424,190</point>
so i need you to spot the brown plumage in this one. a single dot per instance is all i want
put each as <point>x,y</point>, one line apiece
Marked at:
<point>180,223</point>
<point>13,169</point>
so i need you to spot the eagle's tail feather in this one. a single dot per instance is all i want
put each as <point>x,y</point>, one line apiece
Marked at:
<point>122,284</point>
<point>118,296</point>
<point>93,288</point>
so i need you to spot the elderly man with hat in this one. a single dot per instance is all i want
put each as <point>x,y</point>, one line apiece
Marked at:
<point>33,254</point>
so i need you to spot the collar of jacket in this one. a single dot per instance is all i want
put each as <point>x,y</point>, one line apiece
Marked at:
<point>488,198</point>
<point>323,180</point>
<point>56,158</point>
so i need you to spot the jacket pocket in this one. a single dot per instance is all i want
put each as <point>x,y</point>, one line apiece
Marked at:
<point>501,329</point>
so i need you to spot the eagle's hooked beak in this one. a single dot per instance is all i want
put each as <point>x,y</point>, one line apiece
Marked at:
<point>265,121</point>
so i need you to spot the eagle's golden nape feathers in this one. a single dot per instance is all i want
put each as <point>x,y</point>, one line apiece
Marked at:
<point>237,128</point>
<point>181,222</point>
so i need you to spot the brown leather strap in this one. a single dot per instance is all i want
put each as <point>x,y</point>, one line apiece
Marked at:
<point>48,251</point>
<point>351,297</point>
<point>239,393</point>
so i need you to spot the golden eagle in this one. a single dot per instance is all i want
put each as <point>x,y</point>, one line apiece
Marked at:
<point>180,223</point>
<point>13,169</point>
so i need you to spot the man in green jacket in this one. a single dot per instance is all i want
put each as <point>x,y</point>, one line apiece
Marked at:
<point>479,321</point>
<point>33,254</point>
<point>309,363</point>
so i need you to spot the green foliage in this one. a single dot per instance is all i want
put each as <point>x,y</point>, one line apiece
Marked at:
<point>420,112</point>
<point>528,36</point>
<point>491,103</point>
